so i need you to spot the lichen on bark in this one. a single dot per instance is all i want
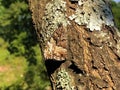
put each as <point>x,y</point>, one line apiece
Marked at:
<point>53,18</point>
<point>83,54</point>
<point>63,80</point>
<point>92,13</point>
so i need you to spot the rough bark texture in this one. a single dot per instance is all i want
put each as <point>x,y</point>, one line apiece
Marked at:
<point>80,53</point>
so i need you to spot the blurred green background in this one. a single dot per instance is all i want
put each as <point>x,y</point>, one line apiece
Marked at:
<point>21,65</point>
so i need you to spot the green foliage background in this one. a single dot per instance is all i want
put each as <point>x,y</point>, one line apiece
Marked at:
<point>21,65</point>
<point>20,57</point>
<point>116,12</point>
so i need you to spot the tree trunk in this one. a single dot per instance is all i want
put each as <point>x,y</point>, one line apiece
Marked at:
<point>80,43</point>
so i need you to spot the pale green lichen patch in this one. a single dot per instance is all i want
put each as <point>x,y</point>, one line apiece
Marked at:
<point>63,81</point>
<point>53,18</point>
<point>93,14</point>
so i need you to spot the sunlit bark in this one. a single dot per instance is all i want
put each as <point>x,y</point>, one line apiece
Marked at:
<point>80,43</point>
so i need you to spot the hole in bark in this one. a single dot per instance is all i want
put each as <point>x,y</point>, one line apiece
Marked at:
<point>88,39</point>
<point>94,9</point>
<point>106,68</point>
<point>94,67</point>
<point>74,1</point>
<point>118,58</point>
<point>101,17</point>
<point>82,13</point>
<point>72,8</point>
<point>52,65</point>
<point>76,69</point>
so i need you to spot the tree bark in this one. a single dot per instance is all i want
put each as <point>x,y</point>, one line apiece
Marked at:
<point>80,43</point>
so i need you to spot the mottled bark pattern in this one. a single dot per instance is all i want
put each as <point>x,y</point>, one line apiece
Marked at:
<point>76,57</point>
